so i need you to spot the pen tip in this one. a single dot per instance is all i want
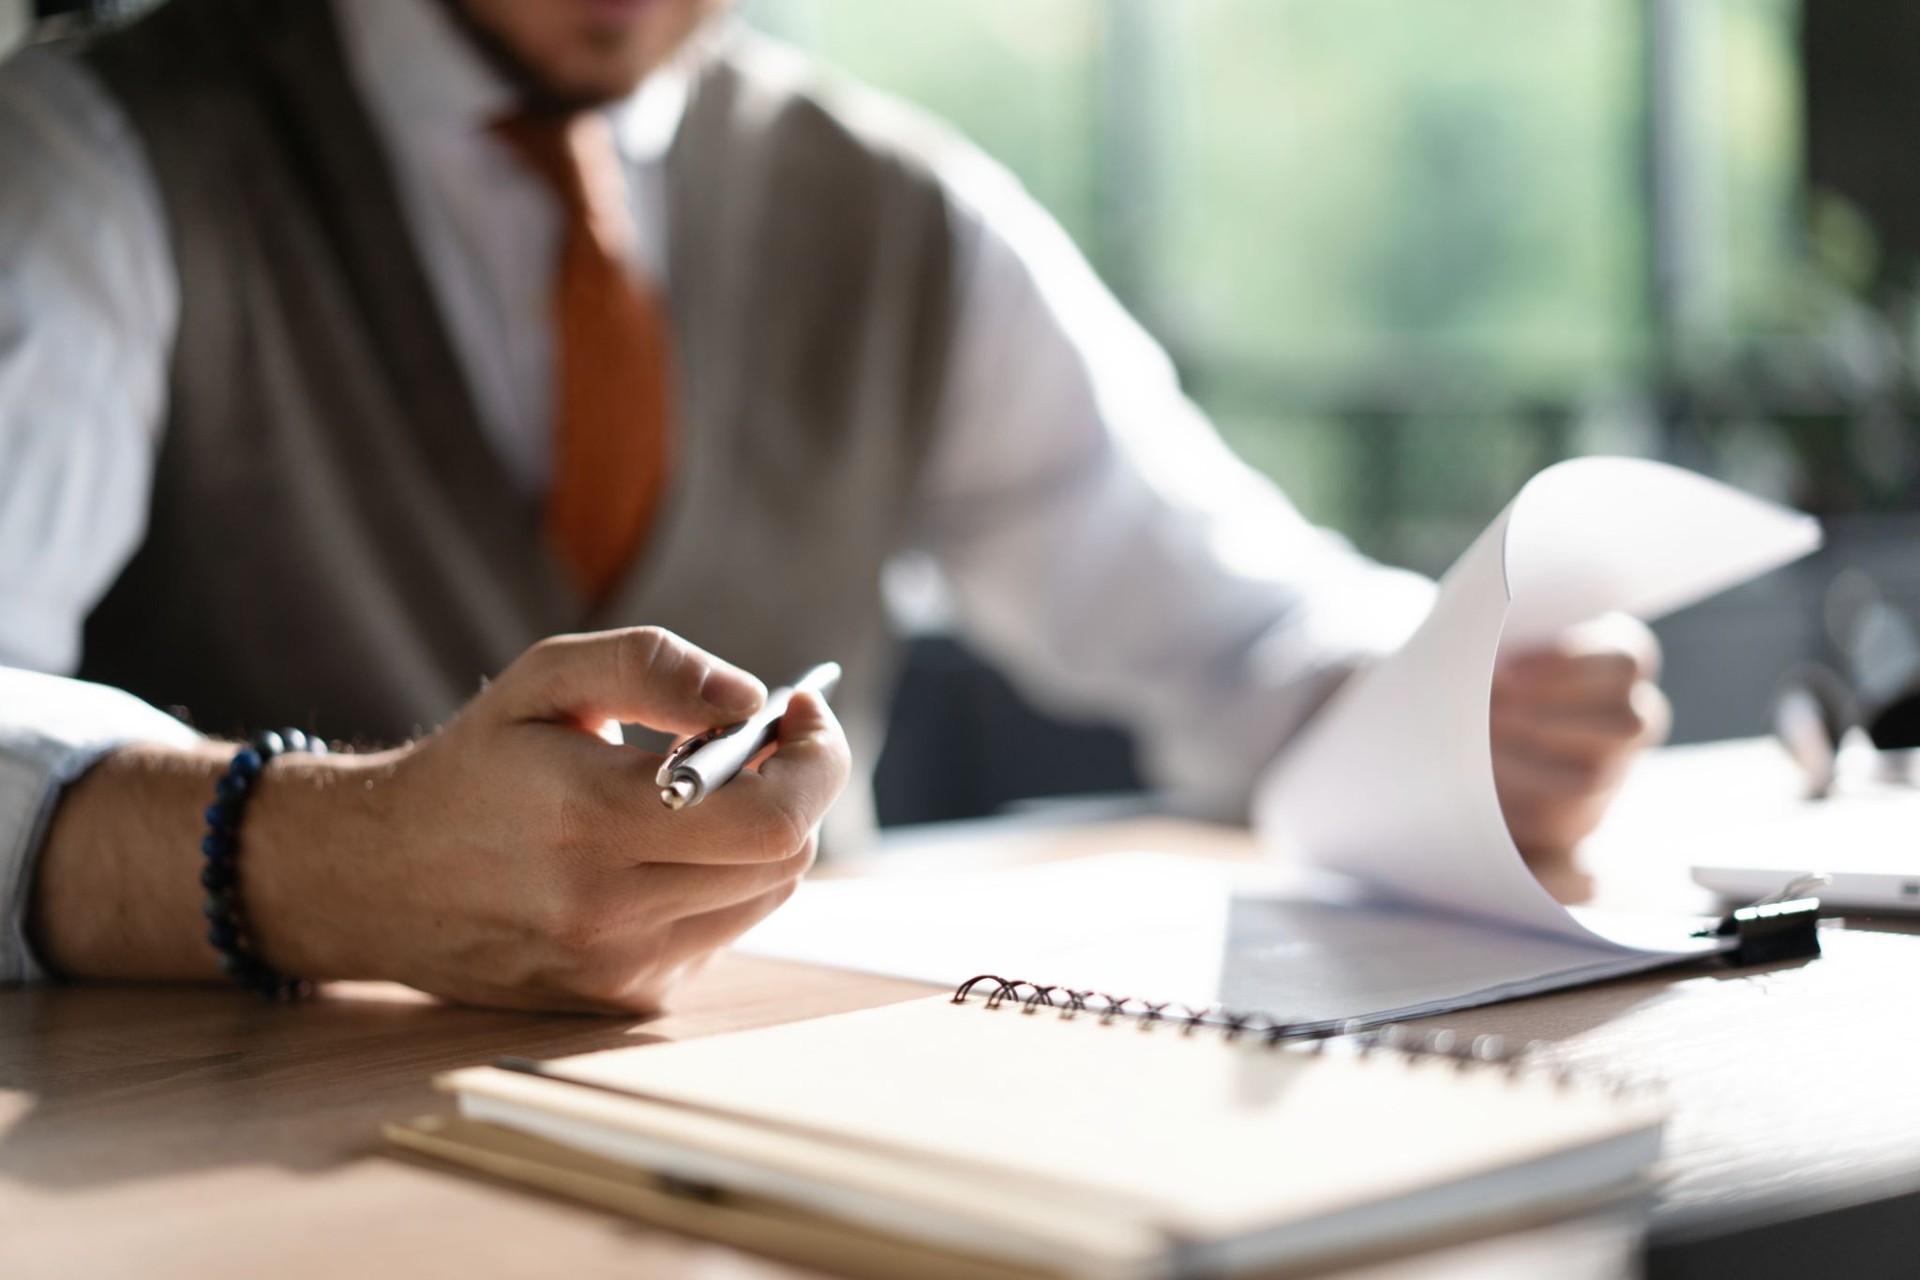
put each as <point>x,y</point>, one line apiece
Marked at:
<point>677,794</point>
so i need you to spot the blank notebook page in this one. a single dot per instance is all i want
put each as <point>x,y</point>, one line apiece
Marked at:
<point>1208,1137</point>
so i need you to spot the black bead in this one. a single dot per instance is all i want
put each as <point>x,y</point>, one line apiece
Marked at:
<point>217,846</point>
<point>295,739</point>
<point>286,990</point>
<point>219,905</point>
<point>222,815</point>
<point>223,935</point>
<point>215,876</point>
<point>240,967</point>
<point>268,744</point>
<point>232,785</point>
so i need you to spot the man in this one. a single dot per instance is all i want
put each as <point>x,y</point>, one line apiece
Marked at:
<point>352,348</point>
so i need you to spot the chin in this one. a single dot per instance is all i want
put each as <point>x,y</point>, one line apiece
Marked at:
<point>585,52</point>
<point>610,71</point>
<point>594,90</point>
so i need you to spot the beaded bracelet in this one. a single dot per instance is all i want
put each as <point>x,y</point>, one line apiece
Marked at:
<point>226,922</point>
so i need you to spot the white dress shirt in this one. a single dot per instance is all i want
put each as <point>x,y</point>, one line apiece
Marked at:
<point>1095,536</point>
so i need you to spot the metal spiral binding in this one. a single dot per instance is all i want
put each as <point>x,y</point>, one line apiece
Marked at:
<point>1532,1059</point>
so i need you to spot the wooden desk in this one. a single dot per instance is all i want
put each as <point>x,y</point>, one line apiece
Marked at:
<point>196,1133</point>
<point>188,1133</point>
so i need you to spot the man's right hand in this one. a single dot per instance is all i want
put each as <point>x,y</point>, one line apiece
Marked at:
<point>515,857</point>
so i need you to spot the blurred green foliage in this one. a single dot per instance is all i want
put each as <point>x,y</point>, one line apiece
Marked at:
<point>1400,248</point>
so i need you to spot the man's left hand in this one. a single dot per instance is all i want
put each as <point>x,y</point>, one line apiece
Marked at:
<point>1566,722</point>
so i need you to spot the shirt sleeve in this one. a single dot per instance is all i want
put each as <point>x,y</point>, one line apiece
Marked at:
<point>88,309</point>
<point>1100,541</point>
<point>51,731</point>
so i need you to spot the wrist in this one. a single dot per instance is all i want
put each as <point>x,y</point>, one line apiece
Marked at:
<point>312,847</point>
<point>117,893</point>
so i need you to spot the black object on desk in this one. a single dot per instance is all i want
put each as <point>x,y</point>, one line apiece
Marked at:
<point>1771,932</point>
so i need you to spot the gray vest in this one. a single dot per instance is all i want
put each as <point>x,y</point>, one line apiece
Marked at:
<point>333,544</point>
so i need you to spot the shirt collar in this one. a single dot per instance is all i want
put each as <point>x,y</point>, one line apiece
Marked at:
<point>418,71</point>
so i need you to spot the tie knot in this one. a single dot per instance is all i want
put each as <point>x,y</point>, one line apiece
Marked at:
<point>575,156</point>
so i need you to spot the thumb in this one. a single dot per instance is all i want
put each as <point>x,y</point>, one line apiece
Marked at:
<point>645,675</point>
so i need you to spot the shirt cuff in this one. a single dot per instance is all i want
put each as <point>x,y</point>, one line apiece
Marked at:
<point>1353,638</point>
<point>1287,676</point>
<point>52,730</point>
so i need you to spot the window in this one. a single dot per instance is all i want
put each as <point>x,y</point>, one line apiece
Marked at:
<point>1405,251</point>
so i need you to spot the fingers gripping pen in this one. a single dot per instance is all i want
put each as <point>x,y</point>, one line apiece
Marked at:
<point>708,760</point>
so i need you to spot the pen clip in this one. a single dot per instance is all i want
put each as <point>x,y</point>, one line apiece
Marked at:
<point>681,750</point>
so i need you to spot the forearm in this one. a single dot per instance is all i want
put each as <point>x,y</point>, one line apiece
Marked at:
<point>1104,547</point>
<point>118,893</point>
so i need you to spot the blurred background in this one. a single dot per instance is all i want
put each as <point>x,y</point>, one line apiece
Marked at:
<point>1407,252</point>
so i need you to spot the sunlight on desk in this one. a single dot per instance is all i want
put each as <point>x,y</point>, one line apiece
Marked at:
<point>14,1106</point>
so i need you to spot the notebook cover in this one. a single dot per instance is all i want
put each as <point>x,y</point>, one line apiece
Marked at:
<point>1086,1136</point>
<point>742,1222</point>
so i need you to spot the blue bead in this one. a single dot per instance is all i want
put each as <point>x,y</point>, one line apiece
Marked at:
<point>221,815</point>
<point>223,935</point>
<point>268,744</point>
<point>246,762</point>
<point>232,785</point>
<point>216,875</point>
<point>217,846</point>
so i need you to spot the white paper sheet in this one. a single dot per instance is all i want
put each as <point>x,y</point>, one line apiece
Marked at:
<point>1146,923</point>
<point>1393,783</point>
<point>1177,930</point>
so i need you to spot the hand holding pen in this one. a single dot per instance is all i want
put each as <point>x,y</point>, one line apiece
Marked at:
<point>514,858</point>
<point>708,760</point>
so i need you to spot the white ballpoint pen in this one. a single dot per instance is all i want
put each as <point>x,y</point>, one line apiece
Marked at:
<point>708,760</point>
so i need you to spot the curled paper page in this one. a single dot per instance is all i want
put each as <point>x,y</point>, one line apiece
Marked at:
<point>1392,784</point>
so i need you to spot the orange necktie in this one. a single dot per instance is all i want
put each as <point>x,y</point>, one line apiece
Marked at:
<point>613,359</point>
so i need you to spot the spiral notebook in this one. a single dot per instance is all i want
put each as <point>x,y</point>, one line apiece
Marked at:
<point>1021,1130</point>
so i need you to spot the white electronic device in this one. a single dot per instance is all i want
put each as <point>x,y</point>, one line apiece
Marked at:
<point>1865,837</point>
